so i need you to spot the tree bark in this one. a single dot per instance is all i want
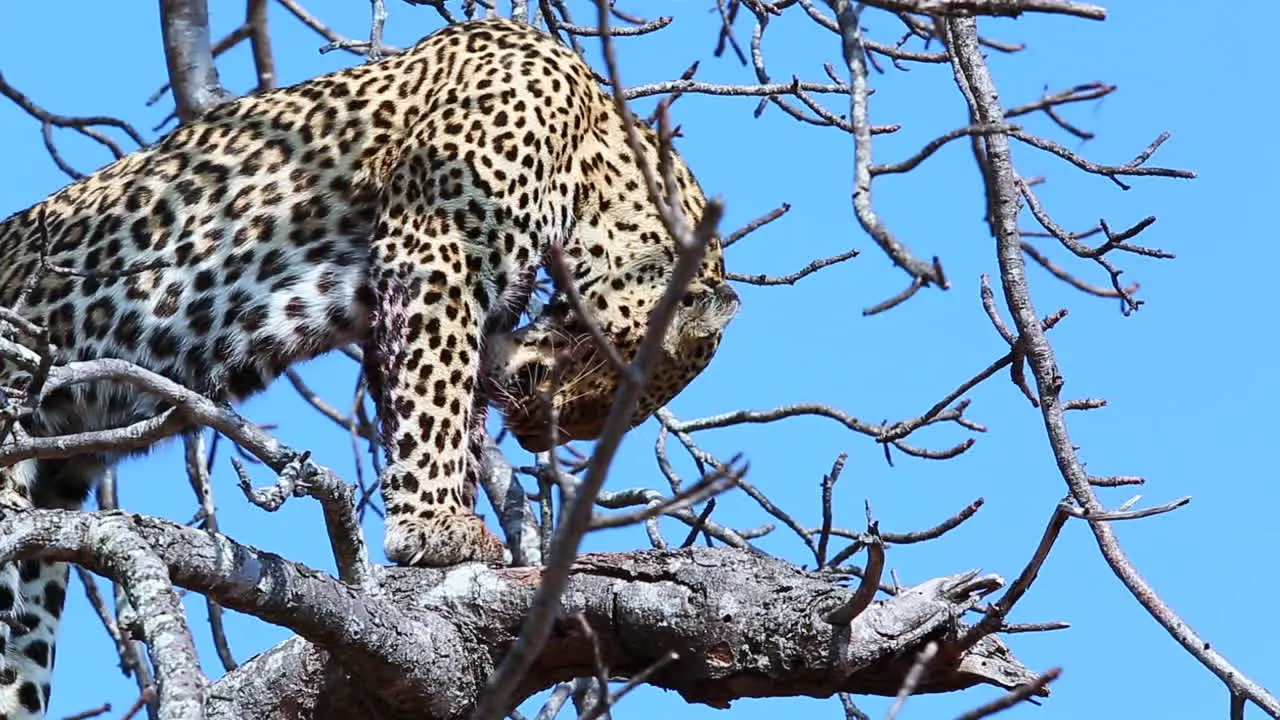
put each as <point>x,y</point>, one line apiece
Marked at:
<point>743,625</point>
<point>188,52</point>
<point>423,642</point>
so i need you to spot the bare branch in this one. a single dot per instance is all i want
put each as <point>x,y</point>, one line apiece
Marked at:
<point>516,517</point>
<point>642,29</point>
<point>559,272</point>
<point>336,41</point>
<point>1133,167</point>
<point>866,592</point>
<point>828,485</point>
<point>909,683</point>
<point>791,279</point>
<point>83,125</point>
<point>1105,516</point>
<point>198,475</point>
<point>923,274</point>
<point>714,483</point>
<point>1002,183</point>
<point>1013,697</point>
<point>301,477</point>
<point>936,531</point>
<point>1005,8</point>
<point>127,557</point>
<point>228,41</point>
<point>130,661</point>
<point>754,225</point>
<point>649,497</point>
<point>932,147</point>
<point>380,641</point>
<point>999,610</point>
<point>260,41</point>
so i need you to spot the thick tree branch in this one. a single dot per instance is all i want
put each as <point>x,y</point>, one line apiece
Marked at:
<point>188,52</point>
<point>367,633</point>
<point>419,642</point>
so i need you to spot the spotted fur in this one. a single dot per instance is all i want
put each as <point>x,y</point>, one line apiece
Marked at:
<point>405,204</point>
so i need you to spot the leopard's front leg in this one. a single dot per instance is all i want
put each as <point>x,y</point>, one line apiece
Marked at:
<point>437,275</point>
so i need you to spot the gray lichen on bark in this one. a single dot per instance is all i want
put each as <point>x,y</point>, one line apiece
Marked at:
<point>743,624</point>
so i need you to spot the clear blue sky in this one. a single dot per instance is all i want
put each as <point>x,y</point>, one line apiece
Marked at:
<point>1192,405</point>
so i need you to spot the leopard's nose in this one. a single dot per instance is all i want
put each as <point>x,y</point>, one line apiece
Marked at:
<point>728,297</point>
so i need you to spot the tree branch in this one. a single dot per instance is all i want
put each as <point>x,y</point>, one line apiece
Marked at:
<point>124,555</point>
<point>923,273</point>
<point>703,604</point>
<point>188,52</point>
<point>1002,184</point>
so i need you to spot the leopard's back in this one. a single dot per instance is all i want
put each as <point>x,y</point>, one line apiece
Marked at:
<point>230,249</point>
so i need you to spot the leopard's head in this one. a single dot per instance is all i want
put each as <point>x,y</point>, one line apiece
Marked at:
<point>552,368</point>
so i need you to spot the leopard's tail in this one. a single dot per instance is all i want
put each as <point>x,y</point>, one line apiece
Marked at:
<point>31,600</point>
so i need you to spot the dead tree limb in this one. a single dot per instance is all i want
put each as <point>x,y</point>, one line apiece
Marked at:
<point>362,655</point>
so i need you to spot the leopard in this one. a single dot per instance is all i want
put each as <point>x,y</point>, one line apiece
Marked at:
<point>404,206</point>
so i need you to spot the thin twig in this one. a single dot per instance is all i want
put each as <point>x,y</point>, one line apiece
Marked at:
<point>791,279</point>
<point>909,683</point>
<point>828,485</point>
<point>301,477</point>
<point>632,683</point>
<point>1013,697</point>
<point>198,475</point>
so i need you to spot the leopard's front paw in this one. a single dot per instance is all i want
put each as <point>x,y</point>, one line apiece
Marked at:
<point>442,540</point>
